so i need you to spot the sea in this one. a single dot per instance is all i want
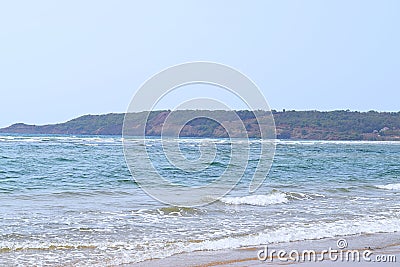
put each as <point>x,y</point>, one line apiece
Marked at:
<point>72,201</point>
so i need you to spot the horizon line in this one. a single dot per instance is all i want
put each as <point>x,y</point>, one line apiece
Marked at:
<point>161,110</point>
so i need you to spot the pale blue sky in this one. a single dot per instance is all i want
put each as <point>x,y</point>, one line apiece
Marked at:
<point>62,59</point>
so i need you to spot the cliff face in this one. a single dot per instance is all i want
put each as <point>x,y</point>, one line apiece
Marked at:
<point>311,125</point>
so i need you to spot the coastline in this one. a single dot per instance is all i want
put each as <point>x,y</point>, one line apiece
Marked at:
<point>290,125</point>
<point>379,244</point>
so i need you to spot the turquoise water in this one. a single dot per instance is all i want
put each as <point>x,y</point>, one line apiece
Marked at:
<point>71,200</point>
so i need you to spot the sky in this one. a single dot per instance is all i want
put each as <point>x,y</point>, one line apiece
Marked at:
<point>62,59</point>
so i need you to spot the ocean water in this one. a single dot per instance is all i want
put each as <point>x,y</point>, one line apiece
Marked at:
<point>72,201</point>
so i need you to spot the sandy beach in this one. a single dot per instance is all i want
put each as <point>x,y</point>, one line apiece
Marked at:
<point>385,246</point>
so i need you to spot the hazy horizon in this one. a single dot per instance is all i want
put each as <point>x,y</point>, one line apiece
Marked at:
<point>95,114</point>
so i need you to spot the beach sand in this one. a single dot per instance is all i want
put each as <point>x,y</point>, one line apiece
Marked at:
<point>379,244</point>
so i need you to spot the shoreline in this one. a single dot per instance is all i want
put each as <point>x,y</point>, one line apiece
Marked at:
<point>291,124</point>
<point>378,244</point>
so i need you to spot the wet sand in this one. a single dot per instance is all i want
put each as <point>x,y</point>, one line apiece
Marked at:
<point>378,244</point>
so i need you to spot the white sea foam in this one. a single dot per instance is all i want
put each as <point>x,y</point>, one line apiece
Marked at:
<point>257,200</point>
<point>275,197</point>
<point>61,139</point>
<point>389,186</point>
<point>316,230</point>
<point>336,142</point>
<point>121,252</point>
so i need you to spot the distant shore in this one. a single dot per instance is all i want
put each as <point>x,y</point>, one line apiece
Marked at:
<point>295,125</point>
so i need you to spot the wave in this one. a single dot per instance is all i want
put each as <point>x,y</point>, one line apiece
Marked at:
<point>121,252</point>
<point>334,142</point>
<point>389,186</point>
<point>14,246</point>
<point>178,211</point>
<point>314,231</point>
<point>275,197</point>
<point>256,200</point>
<point>85,140</point>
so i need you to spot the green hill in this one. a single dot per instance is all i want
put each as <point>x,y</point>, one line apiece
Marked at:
<point>312,125</point>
